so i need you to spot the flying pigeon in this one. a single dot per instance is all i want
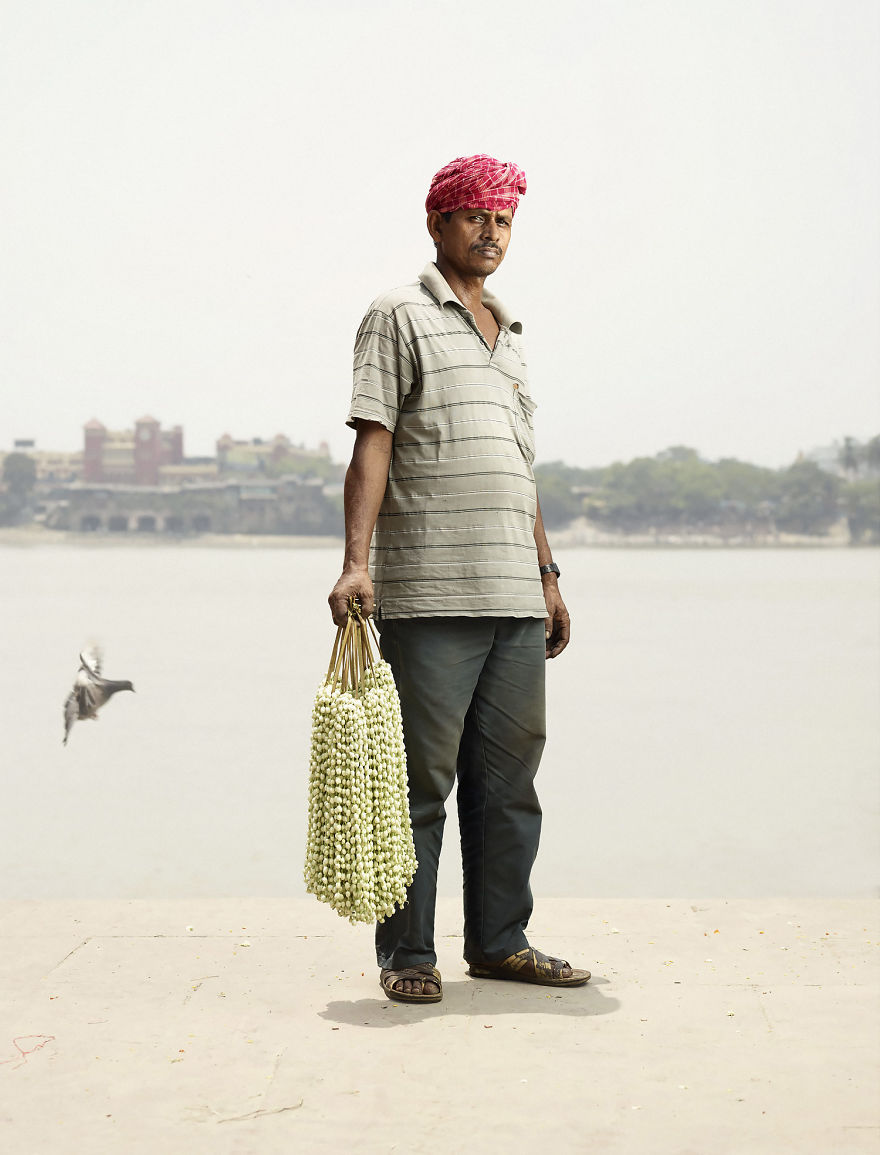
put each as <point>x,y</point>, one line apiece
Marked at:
<point>90,691</point>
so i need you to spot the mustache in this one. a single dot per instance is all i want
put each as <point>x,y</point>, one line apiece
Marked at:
<point>494,248</point>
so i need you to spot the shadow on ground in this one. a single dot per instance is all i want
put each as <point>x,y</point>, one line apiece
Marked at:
<point>476,999</point>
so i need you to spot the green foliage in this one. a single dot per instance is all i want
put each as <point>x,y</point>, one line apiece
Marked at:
<point>19,473</point>
<point>858,459</point>
<point>871,453</point>
<point>808,499</point>
<point>559,505</point>
<point>19,478</point>
<point>678,491</point>
<point>678,453</point>
<point>862,504</point>
<point>563,490</point>
<point>850,456</point>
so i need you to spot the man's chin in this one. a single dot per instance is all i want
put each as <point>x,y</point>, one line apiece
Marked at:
<point>485,265</point>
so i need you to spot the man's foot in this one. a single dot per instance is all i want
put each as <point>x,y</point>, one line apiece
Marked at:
<point>530,966</point>
<point>420,983</point>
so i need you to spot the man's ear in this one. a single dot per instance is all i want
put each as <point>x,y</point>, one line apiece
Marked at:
<point>435,224</point>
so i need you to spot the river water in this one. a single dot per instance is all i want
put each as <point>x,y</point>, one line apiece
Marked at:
<point>713,726</point>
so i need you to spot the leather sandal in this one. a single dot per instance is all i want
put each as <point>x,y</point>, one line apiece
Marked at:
<point>530,966</point>
<point>420,972</point>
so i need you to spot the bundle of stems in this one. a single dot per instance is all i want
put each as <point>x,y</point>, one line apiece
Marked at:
<point>352,655</point>
<point>359,857</point>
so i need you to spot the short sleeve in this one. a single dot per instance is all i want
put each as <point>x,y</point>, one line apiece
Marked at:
<point>383,370</point>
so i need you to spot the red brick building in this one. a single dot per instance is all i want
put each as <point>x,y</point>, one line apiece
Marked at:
<point>133,456</point>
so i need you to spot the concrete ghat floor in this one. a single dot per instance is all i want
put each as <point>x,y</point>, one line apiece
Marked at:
<point>239,1026</point>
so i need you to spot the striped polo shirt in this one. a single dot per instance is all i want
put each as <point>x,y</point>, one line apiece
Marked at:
<point>455,532</point>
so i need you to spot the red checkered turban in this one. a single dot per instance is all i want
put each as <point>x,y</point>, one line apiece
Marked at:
<point>476,182</point>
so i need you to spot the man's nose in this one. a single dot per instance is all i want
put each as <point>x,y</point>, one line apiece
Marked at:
<point>491,232</point>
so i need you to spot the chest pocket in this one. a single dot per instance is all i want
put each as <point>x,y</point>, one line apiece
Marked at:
<point>524,408</point>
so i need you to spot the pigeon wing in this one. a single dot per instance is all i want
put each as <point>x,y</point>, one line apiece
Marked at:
<point>71,712</point>
<point>89,693</point>
<point>92,660</point>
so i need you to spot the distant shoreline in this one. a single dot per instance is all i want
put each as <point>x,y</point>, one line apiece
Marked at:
<point>38,535</point>
<point>580,534</point>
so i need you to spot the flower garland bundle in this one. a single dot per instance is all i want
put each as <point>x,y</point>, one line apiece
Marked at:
<point>360,856</point>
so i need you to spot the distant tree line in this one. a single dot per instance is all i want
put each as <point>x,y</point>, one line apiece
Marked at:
<point>677,490</point>
<point>17,489</point>
<point>674,491</point>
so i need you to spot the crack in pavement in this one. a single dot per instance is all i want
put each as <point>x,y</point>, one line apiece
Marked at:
<point>79,946</point>
<point>262,1111</point>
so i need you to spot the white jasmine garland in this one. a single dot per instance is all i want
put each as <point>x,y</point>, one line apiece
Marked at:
<point>359,855</point>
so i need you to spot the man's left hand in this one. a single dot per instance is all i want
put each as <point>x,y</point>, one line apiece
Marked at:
<point>557,627</point>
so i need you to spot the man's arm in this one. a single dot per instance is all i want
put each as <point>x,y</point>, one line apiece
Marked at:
<point>557,629</point>
<point>365,482</point>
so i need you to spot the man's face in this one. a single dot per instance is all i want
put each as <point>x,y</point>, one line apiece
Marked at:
<point>473,241</point>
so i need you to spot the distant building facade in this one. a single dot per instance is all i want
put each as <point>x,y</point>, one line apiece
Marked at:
<point>138,480</point>
<point>285,506</point>
<point>266,456</point>
<point>52,465</point>
<point>133,456</point>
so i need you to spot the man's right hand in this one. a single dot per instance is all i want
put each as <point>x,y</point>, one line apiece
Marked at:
<point>365,482</point>
<point>353,583</point>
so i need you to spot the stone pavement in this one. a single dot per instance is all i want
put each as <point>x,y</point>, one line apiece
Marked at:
<point>238,1026</point>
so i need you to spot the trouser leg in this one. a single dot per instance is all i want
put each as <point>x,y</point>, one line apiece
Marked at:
<point>499,812</point>
<point>436,664</point>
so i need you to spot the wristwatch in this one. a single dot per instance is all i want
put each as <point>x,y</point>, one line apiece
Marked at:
<point>551,567</point>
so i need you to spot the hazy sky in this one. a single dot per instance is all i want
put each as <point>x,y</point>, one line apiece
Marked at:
<point>200,198</point>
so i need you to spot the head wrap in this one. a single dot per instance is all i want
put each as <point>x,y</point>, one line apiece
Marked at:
<point>476,182</point>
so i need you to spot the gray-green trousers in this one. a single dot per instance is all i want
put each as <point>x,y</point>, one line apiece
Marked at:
<point>472,698</point>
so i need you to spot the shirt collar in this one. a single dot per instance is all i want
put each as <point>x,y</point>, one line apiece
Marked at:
<point>435,283</point>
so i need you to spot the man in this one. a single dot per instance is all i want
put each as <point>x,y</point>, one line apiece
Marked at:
<point>465,595</point>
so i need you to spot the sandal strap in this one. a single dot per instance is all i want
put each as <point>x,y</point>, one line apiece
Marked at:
<point>541,964</point>
<point>418,971</point>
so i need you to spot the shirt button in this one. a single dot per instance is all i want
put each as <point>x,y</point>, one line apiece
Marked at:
<point>516,384</point>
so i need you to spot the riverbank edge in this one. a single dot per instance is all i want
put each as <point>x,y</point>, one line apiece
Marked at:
<point>576,536</point>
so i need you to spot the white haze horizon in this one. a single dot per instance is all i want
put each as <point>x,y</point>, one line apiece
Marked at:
<point>201,198</point>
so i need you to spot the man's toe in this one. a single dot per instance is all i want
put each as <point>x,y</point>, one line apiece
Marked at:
<point>412,986</point>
